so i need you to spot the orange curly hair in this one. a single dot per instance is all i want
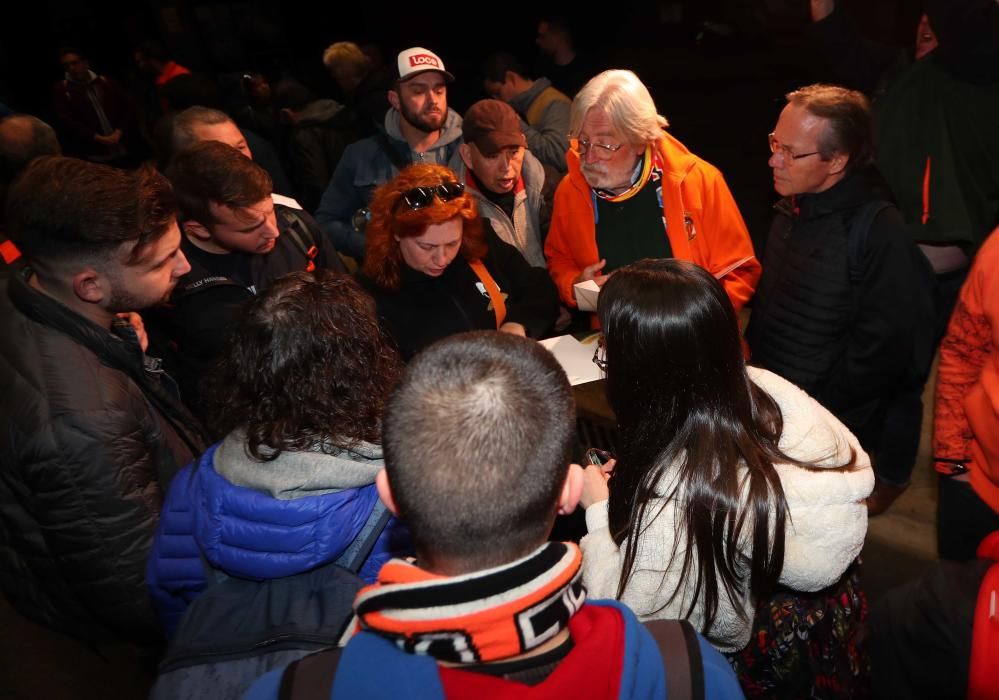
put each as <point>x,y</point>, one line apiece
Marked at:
<point>390,220</point>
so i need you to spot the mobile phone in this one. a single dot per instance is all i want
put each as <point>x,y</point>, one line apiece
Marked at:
<point>598,457</point>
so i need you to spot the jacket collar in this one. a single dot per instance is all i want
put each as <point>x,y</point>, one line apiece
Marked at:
<point>853,190</point>
<point>119,346</point>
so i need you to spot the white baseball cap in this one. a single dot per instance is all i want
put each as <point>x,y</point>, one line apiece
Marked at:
<point>418,60</point>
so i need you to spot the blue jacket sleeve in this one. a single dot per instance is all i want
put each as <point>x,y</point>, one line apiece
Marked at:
<point>175,572</point>
<point>339,203</point>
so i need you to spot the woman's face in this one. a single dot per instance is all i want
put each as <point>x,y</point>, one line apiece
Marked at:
<point>431,252</point>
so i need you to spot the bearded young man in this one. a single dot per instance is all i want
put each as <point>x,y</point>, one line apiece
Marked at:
<point>419,128</point>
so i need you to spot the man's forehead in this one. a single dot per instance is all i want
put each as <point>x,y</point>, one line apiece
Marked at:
<point>597,123</point>
<point>154,251</point>
<point>216,132</point>
<point>430,79</point>
<point>223,213</point>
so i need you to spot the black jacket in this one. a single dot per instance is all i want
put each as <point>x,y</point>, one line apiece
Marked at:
<point>93,432</point>
<point>851,346</point>
<point>425,309</point>
<point>206,303</point>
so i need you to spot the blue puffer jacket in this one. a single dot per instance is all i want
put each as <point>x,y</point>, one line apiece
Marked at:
<point>263,520</point>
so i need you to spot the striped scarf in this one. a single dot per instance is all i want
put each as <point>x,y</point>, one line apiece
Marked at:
<point>484,616</point>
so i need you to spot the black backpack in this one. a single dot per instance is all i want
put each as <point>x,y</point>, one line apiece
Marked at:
<point>237,629</point>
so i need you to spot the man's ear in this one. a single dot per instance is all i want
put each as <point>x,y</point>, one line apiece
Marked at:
<point>838,163</point>
<point>195,229</point>
<point>393,98</point>
<point>572,490</point>
<point>90,286</point>
<point>464,150</point>
<point>385,491</point>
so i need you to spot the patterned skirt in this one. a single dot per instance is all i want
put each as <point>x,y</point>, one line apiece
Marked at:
<point>808,645</point>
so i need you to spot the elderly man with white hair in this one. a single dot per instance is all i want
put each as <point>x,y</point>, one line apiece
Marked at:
<point>633,191</point>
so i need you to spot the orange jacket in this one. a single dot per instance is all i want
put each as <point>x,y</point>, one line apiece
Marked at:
<point>966,420</point>
<point>716,240</point>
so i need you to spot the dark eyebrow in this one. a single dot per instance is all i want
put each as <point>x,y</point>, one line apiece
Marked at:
<point>166,258</point>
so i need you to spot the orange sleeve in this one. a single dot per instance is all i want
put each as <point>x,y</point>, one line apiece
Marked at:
<point>729,241</point>
<point>571,241</point>
<point>963,353</point>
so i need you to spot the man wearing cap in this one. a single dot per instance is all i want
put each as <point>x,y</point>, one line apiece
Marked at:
<point>510,186</point>
<point>419,128</point>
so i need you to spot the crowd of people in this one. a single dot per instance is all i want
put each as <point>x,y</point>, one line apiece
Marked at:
<point>293,436</point>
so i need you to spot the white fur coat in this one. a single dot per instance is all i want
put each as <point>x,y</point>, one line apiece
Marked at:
<point>824,533</point>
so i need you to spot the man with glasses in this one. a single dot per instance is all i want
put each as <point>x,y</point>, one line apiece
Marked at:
<point>419,128</point>
<point>633,191</point>
<point>844,308</point>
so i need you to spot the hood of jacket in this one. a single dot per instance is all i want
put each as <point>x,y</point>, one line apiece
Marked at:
<point>450,130</point>
<point>270,519</point>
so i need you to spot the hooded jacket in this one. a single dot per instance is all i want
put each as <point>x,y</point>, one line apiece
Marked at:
<point>367,164</point>
<point>703,224</point>
<point>263,520</point>
<point>824,531</point>
<point>526,230</point>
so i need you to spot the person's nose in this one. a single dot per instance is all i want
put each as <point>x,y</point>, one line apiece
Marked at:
<point>183,266</point>
<point>270,230</point>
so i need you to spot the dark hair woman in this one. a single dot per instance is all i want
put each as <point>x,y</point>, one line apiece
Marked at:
<point>299,394</point>
<point>728,480</point>
<point>435,268</point>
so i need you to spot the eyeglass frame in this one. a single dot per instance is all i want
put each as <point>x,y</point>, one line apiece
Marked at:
<point>785,151</point>
<point>608,149</point>
<point>445,191</point>
<point>600,362</point>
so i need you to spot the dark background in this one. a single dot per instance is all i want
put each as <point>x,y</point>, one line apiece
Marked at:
<point>721,89</point>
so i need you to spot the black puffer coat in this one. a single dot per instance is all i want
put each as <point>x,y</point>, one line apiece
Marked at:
<point>851,345</point>
<point>92,434</point>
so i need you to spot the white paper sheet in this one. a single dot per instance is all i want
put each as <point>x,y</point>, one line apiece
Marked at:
<point>575,357</point>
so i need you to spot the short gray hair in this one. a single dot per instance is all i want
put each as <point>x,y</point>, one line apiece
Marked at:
<point>626,101</point>
<point>182,134</point>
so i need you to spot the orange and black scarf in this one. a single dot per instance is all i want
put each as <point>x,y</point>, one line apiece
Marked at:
<point>479,617</point>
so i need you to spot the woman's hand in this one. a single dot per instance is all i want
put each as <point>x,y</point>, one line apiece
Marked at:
<point>595,483</point>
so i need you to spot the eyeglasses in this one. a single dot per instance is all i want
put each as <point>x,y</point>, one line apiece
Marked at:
<point>420,197</point>
<point>786,152</point>
<point>599,355</point>
<point>603,150</point>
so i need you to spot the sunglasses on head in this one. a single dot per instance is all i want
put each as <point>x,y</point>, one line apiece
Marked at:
<point>420,197</point>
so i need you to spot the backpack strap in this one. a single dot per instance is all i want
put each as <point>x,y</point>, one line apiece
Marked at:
<point>298,230</point>
<point>860,228</point>
<point>492,289</point>
<point>356,554</point>
<point>682,660</point>
<point>311,676</point>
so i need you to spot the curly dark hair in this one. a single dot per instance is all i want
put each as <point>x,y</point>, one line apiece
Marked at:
<point>306,367</point>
